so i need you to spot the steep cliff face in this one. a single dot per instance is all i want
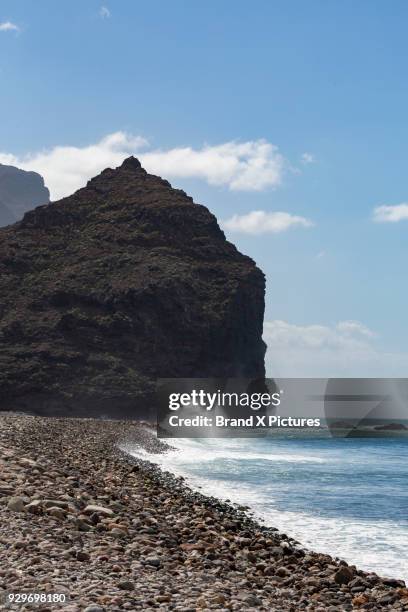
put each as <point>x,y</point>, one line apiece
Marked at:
<point>20,191</point>
<point>125,281</point>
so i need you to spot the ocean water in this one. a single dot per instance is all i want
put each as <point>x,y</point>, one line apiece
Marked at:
<point>345,497</point>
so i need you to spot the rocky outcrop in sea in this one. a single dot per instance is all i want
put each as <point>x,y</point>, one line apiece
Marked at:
<point>123,282</point>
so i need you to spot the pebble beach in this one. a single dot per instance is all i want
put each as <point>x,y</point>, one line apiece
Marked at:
<point>81,518</point>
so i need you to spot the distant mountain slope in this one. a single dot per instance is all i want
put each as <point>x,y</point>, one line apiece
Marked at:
<point>20,191</point>
<point>6,216</point>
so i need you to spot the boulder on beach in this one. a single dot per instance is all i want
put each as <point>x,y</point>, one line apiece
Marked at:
<point>125,281</point>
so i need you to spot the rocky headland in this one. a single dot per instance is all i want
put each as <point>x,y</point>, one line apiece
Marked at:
<point>81,518</point>
<point>123,282</point>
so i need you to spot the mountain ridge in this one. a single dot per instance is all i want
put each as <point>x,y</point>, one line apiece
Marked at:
<point>125,281</point>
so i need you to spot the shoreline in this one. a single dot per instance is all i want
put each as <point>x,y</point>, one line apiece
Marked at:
<point>371,539</point>
<point>151,542</point>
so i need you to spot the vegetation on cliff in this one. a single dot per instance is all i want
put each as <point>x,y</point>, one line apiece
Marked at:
<point>125,281</point>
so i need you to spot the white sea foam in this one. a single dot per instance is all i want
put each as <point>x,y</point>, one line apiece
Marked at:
<point>186,450</point>
<point>371,545</point>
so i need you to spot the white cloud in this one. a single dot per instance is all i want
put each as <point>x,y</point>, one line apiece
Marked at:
<point>347,349</point>
<point>246,166</point>
<point>8,26</point>
<point>7,159</point>
<point>261,222</point>
<point>104,12</point>
<point>391,214</point>
<point>65,169</point>
<point>350,328</point>
<point>308,158</point>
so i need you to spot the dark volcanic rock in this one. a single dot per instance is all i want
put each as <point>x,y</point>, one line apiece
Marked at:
<point>20,191</point>
<point>125,281</point>
<point>391,427</point>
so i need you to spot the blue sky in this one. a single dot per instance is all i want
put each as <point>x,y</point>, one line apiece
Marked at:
<point>323,78</point>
